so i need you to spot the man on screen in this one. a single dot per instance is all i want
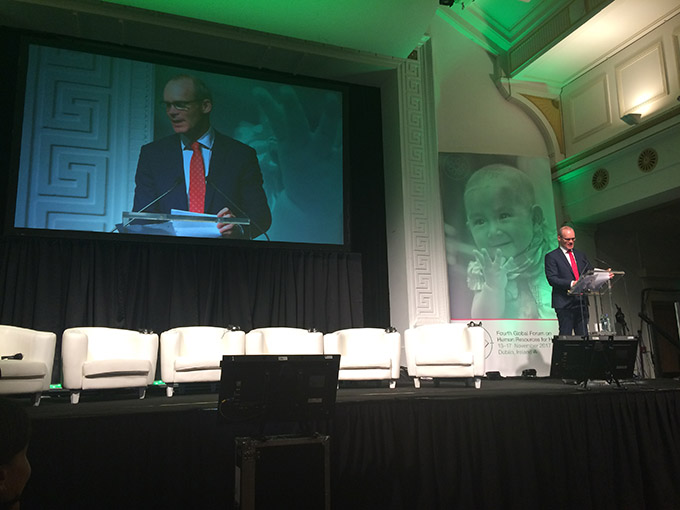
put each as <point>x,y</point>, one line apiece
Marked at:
<point>563,267</point>
<point>199,169</point>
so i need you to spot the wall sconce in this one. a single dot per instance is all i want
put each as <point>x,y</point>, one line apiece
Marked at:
<point>632,118</point>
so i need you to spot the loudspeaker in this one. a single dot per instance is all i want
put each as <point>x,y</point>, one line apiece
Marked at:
<point>600,357</point>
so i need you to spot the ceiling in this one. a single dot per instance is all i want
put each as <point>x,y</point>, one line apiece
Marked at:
<point>595,29</point>
<point>385,27</point>
<point>570,36</point>
<point>546,41</point>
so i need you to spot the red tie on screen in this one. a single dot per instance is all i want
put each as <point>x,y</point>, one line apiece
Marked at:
<point>574,267</point>
<point>196,180</point>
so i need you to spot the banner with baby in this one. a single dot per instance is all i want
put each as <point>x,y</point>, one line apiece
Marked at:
<point>499,222</point>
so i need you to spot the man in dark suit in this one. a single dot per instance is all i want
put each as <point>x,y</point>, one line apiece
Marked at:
<point>201,169</point>
<point>563,267</point>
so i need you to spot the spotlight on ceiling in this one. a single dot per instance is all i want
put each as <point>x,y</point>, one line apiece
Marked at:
<point>450,3</point>
<point>631,118</point>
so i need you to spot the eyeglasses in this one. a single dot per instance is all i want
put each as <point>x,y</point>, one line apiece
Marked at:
<point>179,105</point>
<point>568,239</point>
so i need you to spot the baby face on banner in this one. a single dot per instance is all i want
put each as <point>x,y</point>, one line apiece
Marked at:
<point>501,210</point>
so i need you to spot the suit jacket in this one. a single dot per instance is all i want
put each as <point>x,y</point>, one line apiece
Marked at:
<point>560,275</point>
<point>234,180</point>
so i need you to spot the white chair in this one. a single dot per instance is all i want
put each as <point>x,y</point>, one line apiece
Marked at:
<point>366,354</point>
<point>95,358</point>
<point>445,351</point>
<point>33,372</point>
<point>193,353</point>
<point>284,341</point>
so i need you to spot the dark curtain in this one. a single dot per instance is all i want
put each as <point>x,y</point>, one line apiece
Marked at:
<point>599,451</point>
<point>54,284</point>
<point>586,452</point>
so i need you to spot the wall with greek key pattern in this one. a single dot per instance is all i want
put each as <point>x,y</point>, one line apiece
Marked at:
<point>82,129</point>
<point>424,262</point>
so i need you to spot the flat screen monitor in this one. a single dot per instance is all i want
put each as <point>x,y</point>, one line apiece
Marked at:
<point>270,388</point>
<point>598,358</point>
<point>104,130</point>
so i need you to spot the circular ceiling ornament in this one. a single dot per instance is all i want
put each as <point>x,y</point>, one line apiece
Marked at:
<point>600,179</point>
<point>647,160</point>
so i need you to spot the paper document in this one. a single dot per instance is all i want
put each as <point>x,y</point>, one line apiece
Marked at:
<point>194,228</point>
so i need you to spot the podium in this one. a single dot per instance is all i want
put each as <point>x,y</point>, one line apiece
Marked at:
<point>173,224</point>
<point>598,284</point>
<point>603,354</point>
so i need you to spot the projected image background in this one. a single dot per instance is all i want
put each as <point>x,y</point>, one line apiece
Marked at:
<point>86,116</point>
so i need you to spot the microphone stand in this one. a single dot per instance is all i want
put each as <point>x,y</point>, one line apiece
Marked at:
<point>159,197</point>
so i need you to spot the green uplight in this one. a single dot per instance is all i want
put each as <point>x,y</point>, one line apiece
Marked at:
<point>158,383</point>
<point>55,387</point>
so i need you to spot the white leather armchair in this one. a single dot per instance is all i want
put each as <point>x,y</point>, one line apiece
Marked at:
<point>366,353</point>
<point>284,341</point>
<point>95,358</point>
<point>445,351</point>
<point>193,353</point>
<point>32,373</point>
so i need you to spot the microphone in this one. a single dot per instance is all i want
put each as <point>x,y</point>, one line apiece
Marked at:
<point>605,264</point>
<point>232,205</point>
<point>159,197</point>
<point>17,356</point>
<point>229,327</point>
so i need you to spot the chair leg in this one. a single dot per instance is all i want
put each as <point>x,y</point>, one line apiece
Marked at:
<point>75,397</point>
<point>475,382</point>
<point>169,390</point>
<point>393,384</point>
<point>416,382</point>
<point>142,393</point>
<point>36,399</point>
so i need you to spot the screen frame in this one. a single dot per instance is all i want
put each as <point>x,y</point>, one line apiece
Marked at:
<point>26,38</point>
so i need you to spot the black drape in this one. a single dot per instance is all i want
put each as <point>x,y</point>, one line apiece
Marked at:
<point>52,284</point>
<point>596,451</point>
<point>587,452</point>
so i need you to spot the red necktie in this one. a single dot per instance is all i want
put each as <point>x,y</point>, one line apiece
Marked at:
<point>574,267</point>
<point>196,180</point>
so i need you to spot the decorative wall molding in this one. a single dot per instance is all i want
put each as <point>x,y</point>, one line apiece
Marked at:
<point>542,105</point>
<point>423,224</point>
<point>641,79</point>
<point>589,108</point>
<point>644,78</point>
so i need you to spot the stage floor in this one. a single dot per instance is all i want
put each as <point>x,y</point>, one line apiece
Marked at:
<point>204,396</point>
